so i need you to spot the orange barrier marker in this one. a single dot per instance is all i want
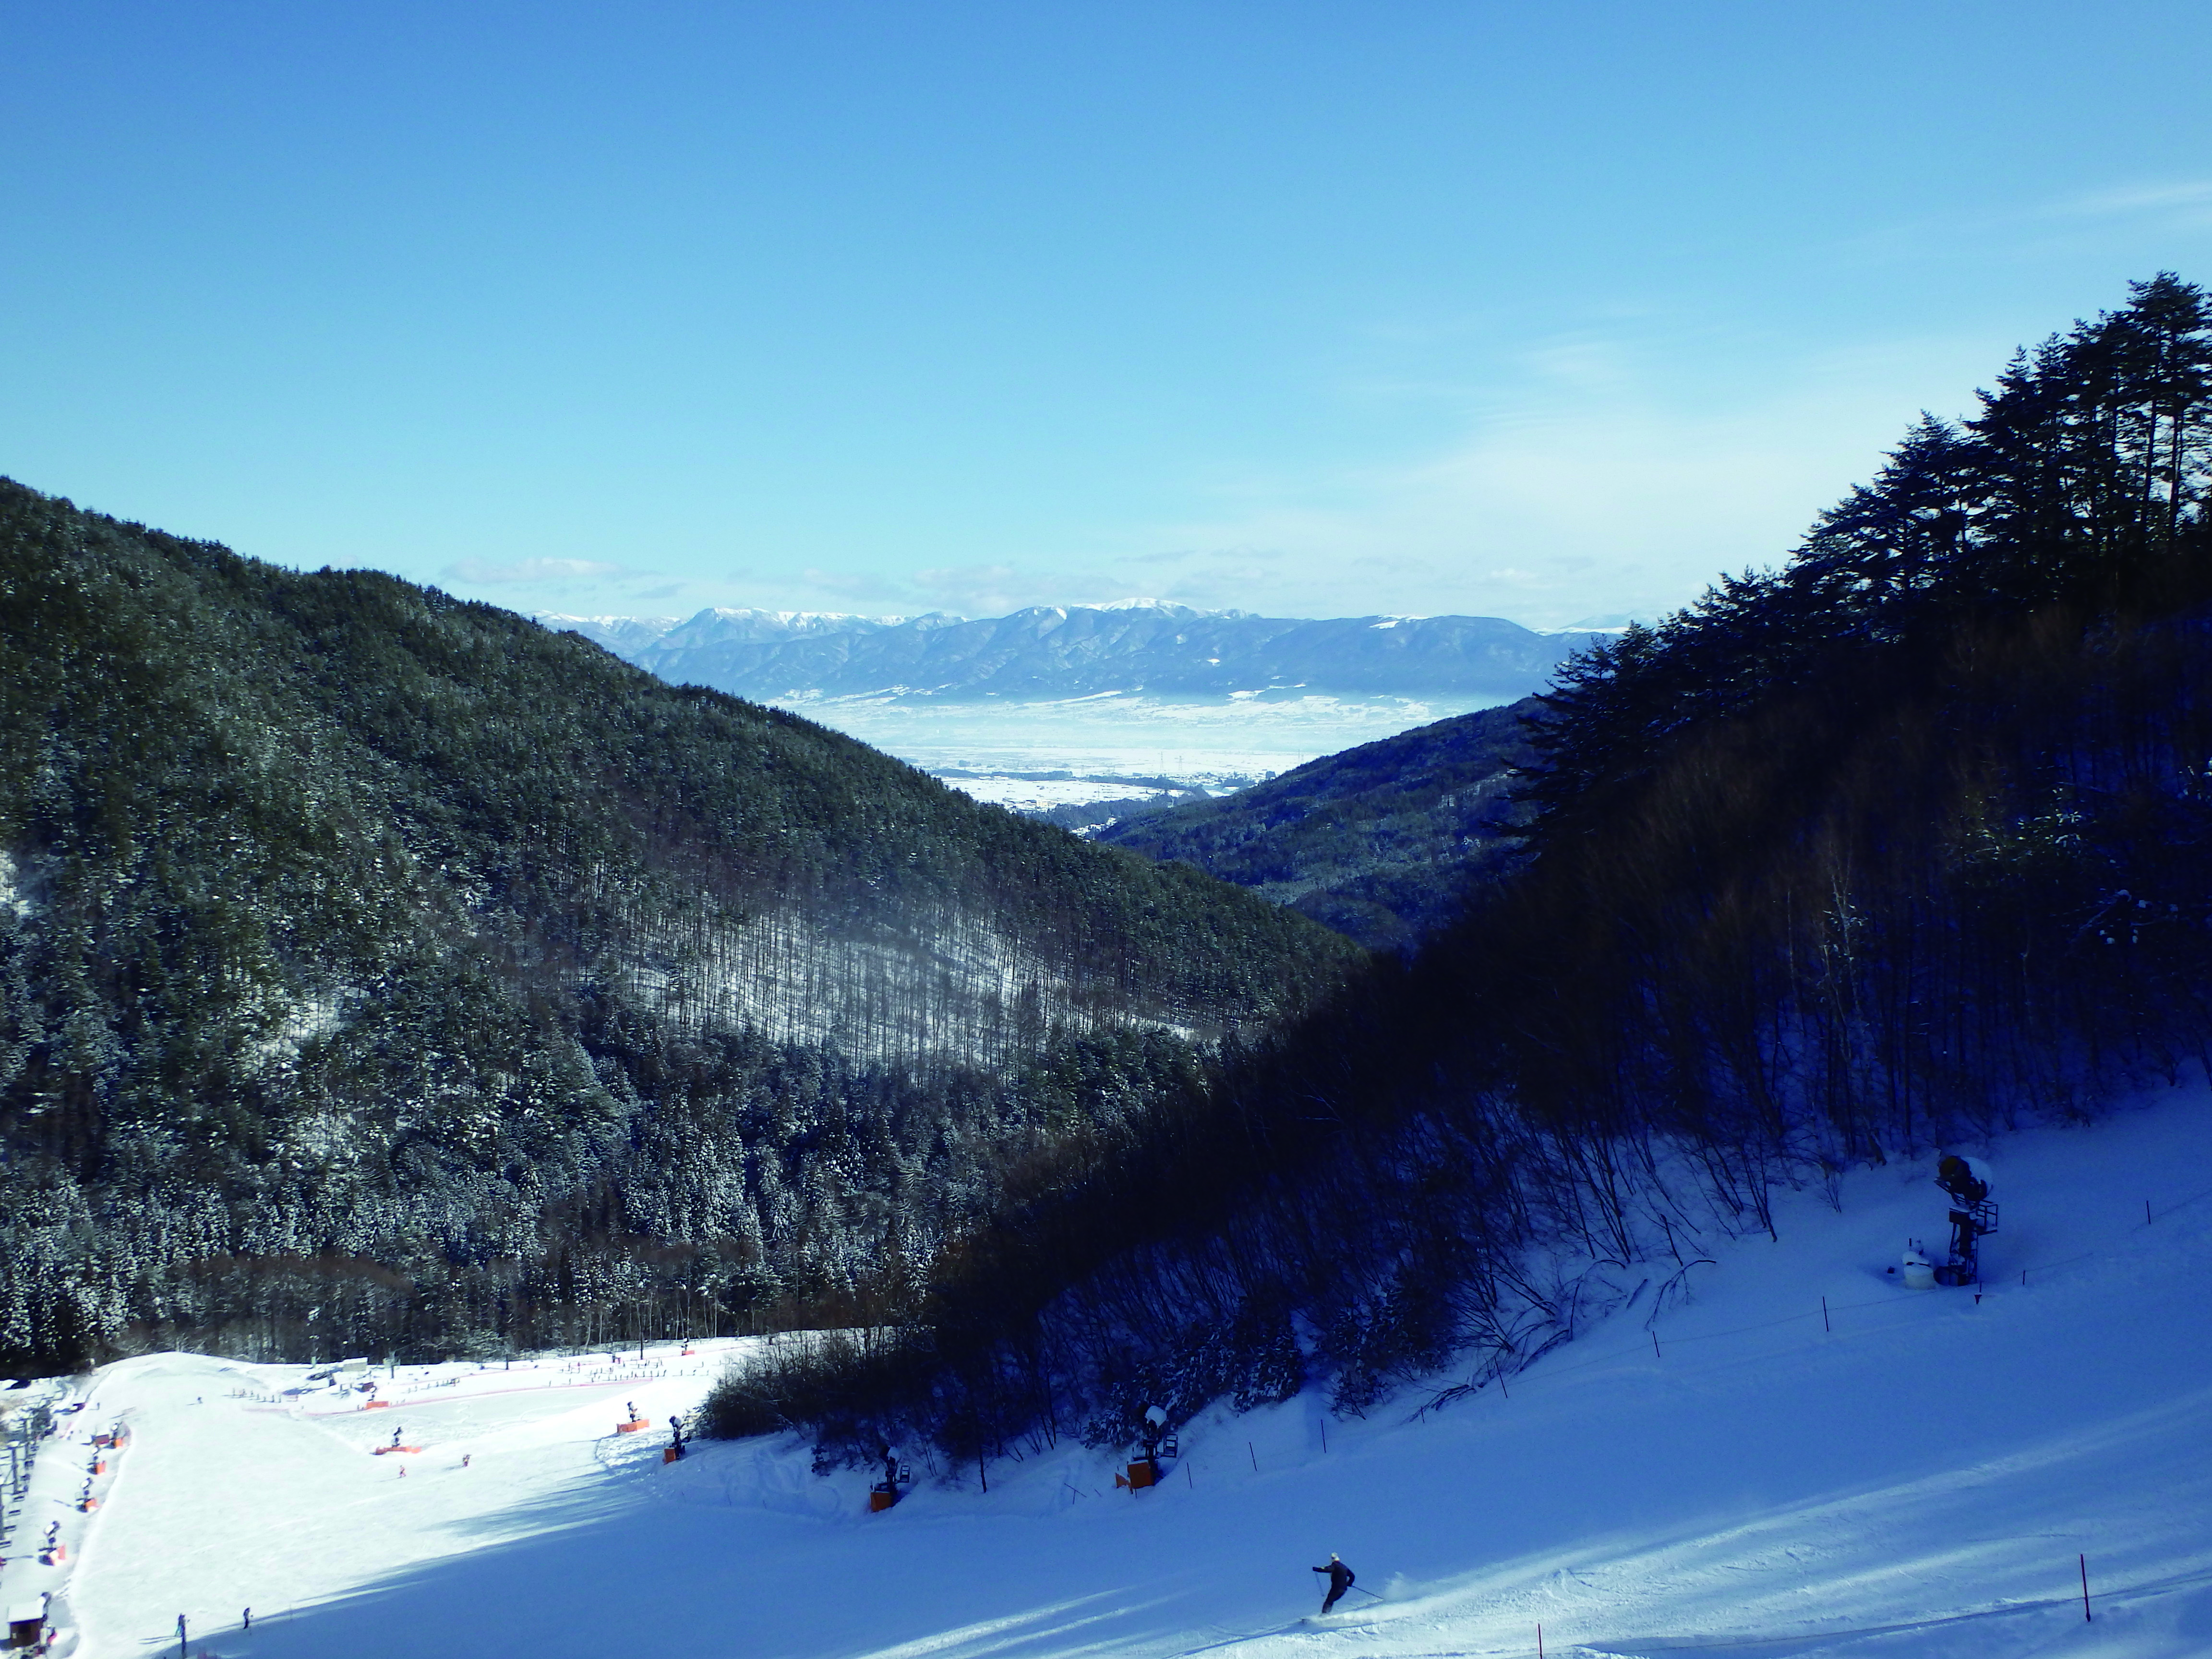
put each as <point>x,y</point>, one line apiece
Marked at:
<point>633,1426</point>
<point>379,1451</point>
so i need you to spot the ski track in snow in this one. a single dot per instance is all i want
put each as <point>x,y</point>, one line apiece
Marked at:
<point>1917,1482</point>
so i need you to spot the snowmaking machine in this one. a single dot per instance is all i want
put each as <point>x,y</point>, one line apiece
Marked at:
<point>885,1492</point>
<point>1973,1217</point>
<point>1157,1443</point>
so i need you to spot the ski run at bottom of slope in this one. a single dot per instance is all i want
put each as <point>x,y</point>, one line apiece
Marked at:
<point>1931,1475</point>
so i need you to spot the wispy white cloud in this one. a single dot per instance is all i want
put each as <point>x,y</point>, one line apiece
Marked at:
<point>2190,199</point>
<point>2071,223</point>
<point>1589,475</point>
<point>1598,491</point>
<point>1584,481</point>
<point>534,573</point>
<point>851,585</point>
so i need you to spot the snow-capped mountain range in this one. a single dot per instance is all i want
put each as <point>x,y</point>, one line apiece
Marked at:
<point>1152,647</point>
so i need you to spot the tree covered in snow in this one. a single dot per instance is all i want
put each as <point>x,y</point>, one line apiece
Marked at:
<point>379,970</point>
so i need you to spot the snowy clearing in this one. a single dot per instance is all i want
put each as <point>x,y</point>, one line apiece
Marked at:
<point>1919,1479</point>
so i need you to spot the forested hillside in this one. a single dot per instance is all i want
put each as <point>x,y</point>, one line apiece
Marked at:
<point>379,970</point>
<point>1903,841</point>
<point>1380,842</point>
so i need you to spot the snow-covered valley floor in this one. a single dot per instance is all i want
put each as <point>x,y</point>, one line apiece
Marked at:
<point>1921,1479</point>
<point>1033,755</point>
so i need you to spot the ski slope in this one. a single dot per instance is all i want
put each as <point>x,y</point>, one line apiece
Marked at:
<point>1920,1479</point>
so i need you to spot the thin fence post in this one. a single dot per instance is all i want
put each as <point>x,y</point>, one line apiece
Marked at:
<point>1254,1456</point>
<point>1540,1642</point>
<point>1654,1345</point>
<point>2084,1560</point>
<point>1824,1325</point>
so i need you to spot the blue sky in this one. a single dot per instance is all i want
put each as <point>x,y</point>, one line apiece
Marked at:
<point>1541,312</point>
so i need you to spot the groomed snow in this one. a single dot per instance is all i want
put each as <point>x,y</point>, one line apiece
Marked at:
<point>1920,1481</point>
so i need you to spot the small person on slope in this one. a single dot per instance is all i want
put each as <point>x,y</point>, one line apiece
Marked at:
<point>1339,1580</point>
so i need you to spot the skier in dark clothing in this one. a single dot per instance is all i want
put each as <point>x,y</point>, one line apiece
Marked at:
<point>1339,1580</point>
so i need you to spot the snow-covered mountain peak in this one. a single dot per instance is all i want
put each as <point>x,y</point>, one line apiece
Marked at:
<point>745,623</point>
<point>1164,607</point>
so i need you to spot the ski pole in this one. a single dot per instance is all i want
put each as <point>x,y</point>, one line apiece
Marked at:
<point>1363,1590</point>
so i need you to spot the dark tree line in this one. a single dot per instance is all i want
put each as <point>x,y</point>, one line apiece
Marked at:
<point>2079,481</point>
<point>1902,841</point>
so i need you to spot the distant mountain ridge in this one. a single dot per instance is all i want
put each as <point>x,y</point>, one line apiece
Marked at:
<point>1150,646</point>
